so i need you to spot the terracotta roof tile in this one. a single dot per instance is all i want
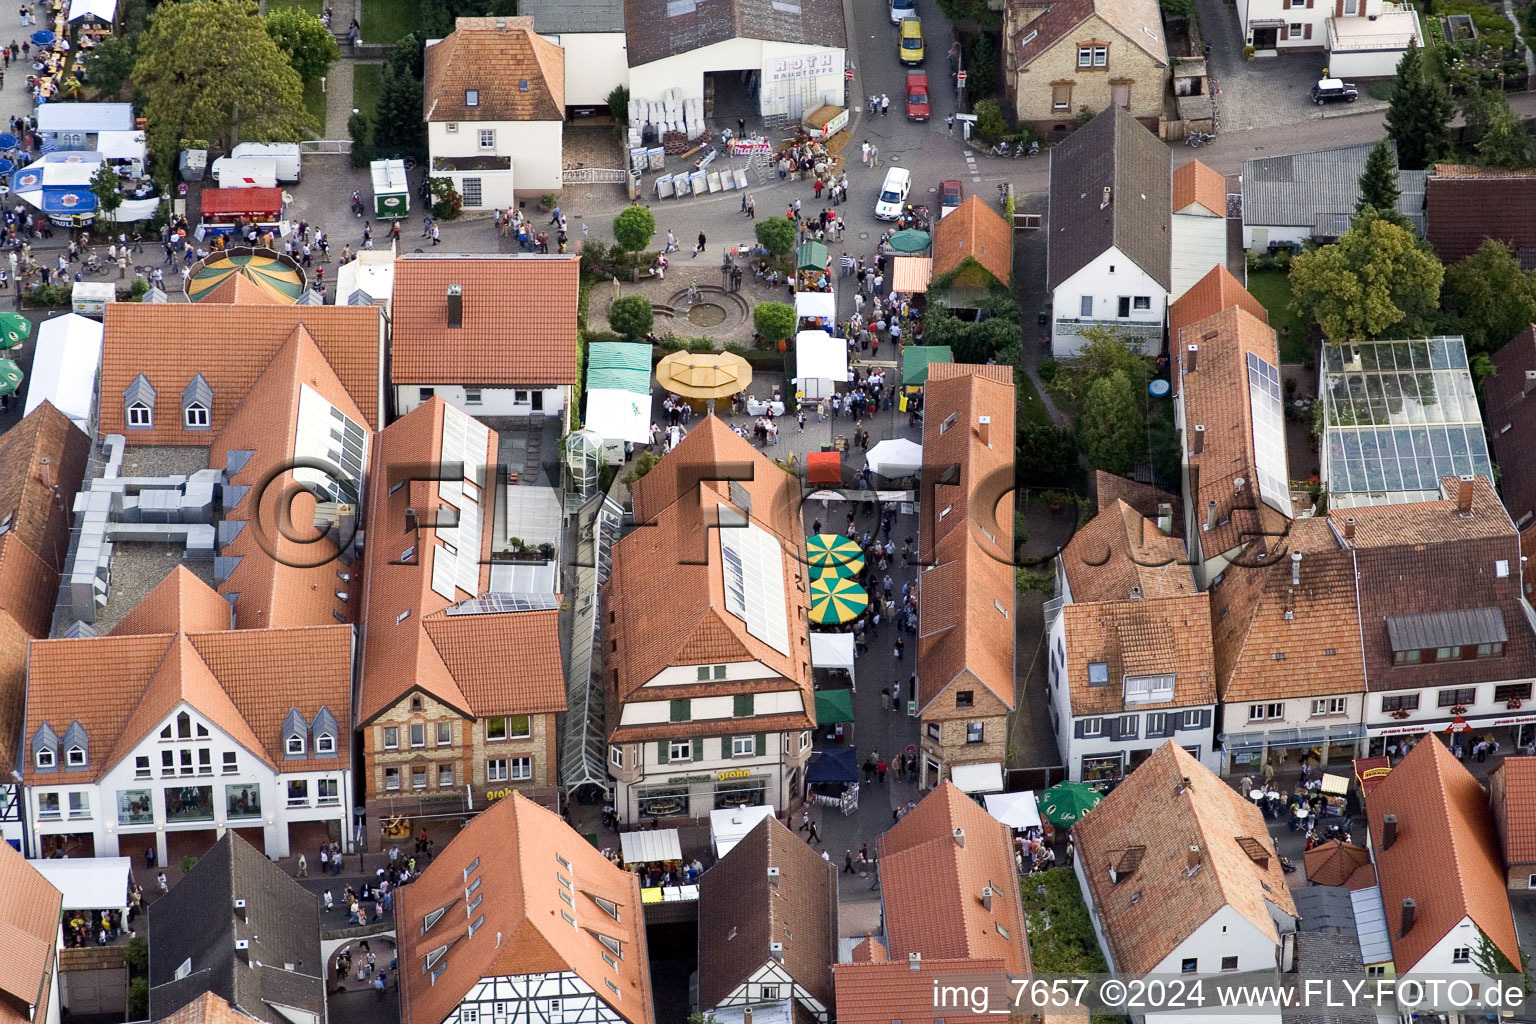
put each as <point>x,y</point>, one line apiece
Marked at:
<point>1148,636</point>
<point>29,934</point>
<point>1216,397</point>
<point>519,321</point>
<point>1128,17</point>
<point>1144,498</point>
<point>1510,413</point>
<point>1513,785</point>
<point>1342,864</point>
<point>1119,551</point>
<point>1465,205</point>
<point>966,617</point>
<point>517,848</point>
<point>42,461</point>
<point>208,1009</point>
<point>1216,291</point>
<point>887,991</point>
<point>973,231</point>
<point>518,74</point>
<point>713,450</point>
<point>1446,855</point>
<point>231,346</point>
<point>741,912</point>
<point>180,601</point>
<point>505,662</point>
<point>933,885</point>
<point>1150,809</point>
<point>1195,184</point>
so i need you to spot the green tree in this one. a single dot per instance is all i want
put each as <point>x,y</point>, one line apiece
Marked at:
<point>632,316</point>
<point>776,234</point>
<point>408,57</point>
<point>1105,352</point>
<point>398,129</point>
<point>981,66</point>
<point>1376,279</point>
<point>1112,425</point>
<point>447,204</point>
<point>1378,184</point>
<point>995,339</point>
<point>634,227</point>
<point>1045,454</point>
<point>644,463</point>
<point>1419,117</point>
<point>1178,8</point>
<point>357,131</point>
<point>990,122</point>
<point>1494,298</point>
<point>136,954</point>
<point>310,47</point>
<point>104,187</point>
<point>1479,107</point>
<point>112,65</point>
<point>138,998</point>
<point>1505,144</point>
<point>618,103</point>
<point>775,321</point>
<point>209,72</point>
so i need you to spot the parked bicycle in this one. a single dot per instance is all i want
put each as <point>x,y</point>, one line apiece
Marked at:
<point>1197,139</point>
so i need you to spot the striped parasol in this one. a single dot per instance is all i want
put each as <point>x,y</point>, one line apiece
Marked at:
<point>14,328</point>
<point>847,570</point>
<point>831,549</point>
<point>835,600</point>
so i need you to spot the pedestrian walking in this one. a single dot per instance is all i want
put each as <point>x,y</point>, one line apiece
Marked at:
<point>165,886</point>
<point>700,247</point>
<point>751,208</point>
<point>848,862</point>
<point>896,650</point>
<point>885,699</point>
<point>885,104</point>
<point>864,152</point>
<point>815,836</point>
<point>741,127</point>
<point>671,242</point>
<point>435,236</point>
<point>805,820</point>
<point>949,122</point>
<point>303,867</point>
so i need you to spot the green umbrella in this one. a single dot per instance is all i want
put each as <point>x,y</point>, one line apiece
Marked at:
<point>13,329</point>
<point>837,600</point>
<point>831,549</point>
<point>10,377</point>
<point>846,570</point>
<point>1066,802</point>
<point>910,240</point>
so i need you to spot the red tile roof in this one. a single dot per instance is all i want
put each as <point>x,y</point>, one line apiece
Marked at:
<point>1195,184</point>
<point>181,601</point>
<point>232,347</point>
<point>518,74</point>
<point>974,231</point>
<point>1445,858</point>
<point>1143,637</point>
<point>1465,205</point>
<point>1509,405</point>
<point>495,663</point>
<point>1118,552</point>
<point>28,587</point>
<point>887,991</point>
<point>523,855</point>
<point>208,1009</point>
<point>966,618</point>
<point>29,935</point>
<point>1216,291</point>
<point>934,886</point>
<point>42,461</point>
<point>1152,810</point>
<point>1342,864</point>
<point>519,320</point>
<point>1513,786</point>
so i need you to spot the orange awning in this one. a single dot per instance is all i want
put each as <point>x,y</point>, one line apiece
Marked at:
<point>911,274</point>
<point>824,467</point>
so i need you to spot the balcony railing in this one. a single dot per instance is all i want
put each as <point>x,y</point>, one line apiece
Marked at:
<point>1140,329</point>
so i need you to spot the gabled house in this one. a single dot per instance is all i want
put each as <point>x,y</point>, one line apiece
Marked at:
<point>237,928</point>
<point>1437,855</point>
<point>1512,794</point>
<point>1062,58</point>
<point>29,915</point>
<point>494,335</point>
<point>494,102</point>
<point>1199,226</point>
<point>709,696</point>
<point>1364,38</point>
<point>1466,204</point>
<point>768,927</point>
<point>1216,291</point>
<point>1230,411</point>
<point>1311,196</point>
<point>975,245</point>
<point>459,686</point>
<point>1181,876</point>
<point>966,634</point>
<point>197,731</point>
<point>591,32</point>
<point>1511,418</point>
<point>521,918</point>
<point>1108,244</point>
<point>1129,647</point>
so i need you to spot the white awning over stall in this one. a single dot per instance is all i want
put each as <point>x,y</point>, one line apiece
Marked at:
<point>816,304</point>
<point>64,367</point>
<point>820,356</point>
<point>1016,810</point>
<point>88,883</point>
<point>651,845</point>
<point>832,650</point>
<point>728,827</point>
<point>978,778</point>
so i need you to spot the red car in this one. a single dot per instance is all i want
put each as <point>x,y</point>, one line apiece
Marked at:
<point>917,95</point>
<point>951,192</point>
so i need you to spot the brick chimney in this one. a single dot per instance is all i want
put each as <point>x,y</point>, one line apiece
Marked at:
<point>959,835</point>
<point>1197,440</point>
<point>455,305</point>
<point>984,430</point>
<point>1464,496</point>
<point>1388,832</point>
<point>746,1016</point>
<point>1530,382</point>
<point>1210,515</point>
<point>986,898</point>
<point>1191,358</point>
<point>1409,906</point>
<point>1349,528</point>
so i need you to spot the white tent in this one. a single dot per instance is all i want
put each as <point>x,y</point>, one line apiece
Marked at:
<point>728,827</point>
<point>64,367</point>
<point>1016,810</point>
<point>88,883</point>
<point>816,304</point>
<point>101,10</point>
<point>832,650</point>
<point>648,845</point>
<point>121,145</point>
<point>820,362</point>
<point>619,415</point>
<point>895,457</point>
<point>978,778</point>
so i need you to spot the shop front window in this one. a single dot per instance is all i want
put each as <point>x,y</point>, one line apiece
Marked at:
<point>665,802</point>
<point>1101,768</point>
<point>134,807</point>
<point>189,803</point>
<point>744,793</point>
<point>242,800</point>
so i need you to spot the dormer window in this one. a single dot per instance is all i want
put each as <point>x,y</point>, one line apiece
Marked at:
<point>139,404</point>
<point>139,416</point>
<point>471,97</point>
<point>295,732</point>
<point>76,746</point>
<point>195,416</point>
<point>295,746</point>
<point>74,757</point>
<point>45,758</point>
<point>323,732</point>
<point>325,743</point>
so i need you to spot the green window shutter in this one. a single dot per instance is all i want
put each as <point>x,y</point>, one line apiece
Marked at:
<point>698,750</point>
<point>662,752</point>
<point>703,672</point>
<point>719,671</point>
<point>682,710</point>
<point>743,708</point>
<point>762,744</point>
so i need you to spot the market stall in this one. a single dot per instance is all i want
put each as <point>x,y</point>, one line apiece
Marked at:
<point>64,368</point>
<point>819,305</point>
<point>1016,810</point>
<point>895,458</point>
<point>648,846</point>
<point>619,391</point>
<point>226,210</point>
<point>730,826</point>
<point>978,778</point>
<point>834,715</point>
<point>704,376</point>
<point>832,651</point>
<point>391,190</point>
<point>915,360</point>
<point>813,268</point>
<point>835,600</point>
<point>821,363</point>
<point>60,186</point>
<point>910,274</point>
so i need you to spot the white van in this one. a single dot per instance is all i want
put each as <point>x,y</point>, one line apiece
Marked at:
<point>245,172</point>
<point>893,194</point>
<point>285,153</point>
<point>902,9</point>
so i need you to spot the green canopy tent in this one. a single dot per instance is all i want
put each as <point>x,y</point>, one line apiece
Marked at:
<point>915,360</point>
<point>1065,803</point>
<point>14,329</point>
<point>811,256</point>
<point>910,240</point>
<point>11,378</point>
<point>833,706</point>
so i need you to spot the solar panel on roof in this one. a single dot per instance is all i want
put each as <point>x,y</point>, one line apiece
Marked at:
<point>1268,417</point>
<point>314,438</point>
<point>487,604</point>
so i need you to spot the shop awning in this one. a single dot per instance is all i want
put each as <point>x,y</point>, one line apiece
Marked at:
<point>811,256</point>
<point>911,274</point>
<point>823,304</point>
<point>95,883</point>
<point>833,706</point>
<point>978,778</point>
<point>730,826</point>
<point>819,356</point>
<point>832,650</point>
<point>915,360</point>
<point>619,391</point>
<point>651,845</point>
<point>835,764</point>
<point>824,468</point>
<point>1335,785</point>
<point>1016,810</point>
<point>241,202</point>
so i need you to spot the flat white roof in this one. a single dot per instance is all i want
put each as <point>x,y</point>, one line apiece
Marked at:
<point>648,845</point>
<point>88,883</point>
<point>85,117</point>
<point>978,778</point>
<point>64,367</point>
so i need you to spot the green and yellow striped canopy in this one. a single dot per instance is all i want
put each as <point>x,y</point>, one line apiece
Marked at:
<point>14,329</point>
<point>276,280</point>
<point>847,570</point>
<point>831,549</point>
<point>835,600</point>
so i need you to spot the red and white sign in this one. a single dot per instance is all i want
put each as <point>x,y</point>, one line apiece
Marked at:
<point>960,78</point>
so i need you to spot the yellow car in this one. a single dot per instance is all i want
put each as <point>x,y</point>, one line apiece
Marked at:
<point>911,47</point>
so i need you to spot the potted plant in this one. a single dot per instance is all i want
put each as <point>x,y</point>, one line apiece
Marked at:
<point>1400,714</point>
<point>1459,709</point>
<point>1514,703</point>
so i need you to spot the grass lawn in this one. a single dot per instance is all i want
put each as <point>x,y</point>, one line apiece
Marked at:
<point>315,7</point>
<point>388,21</point>
<point>365,90</point>
<point>1273,289</point>
<point>1381,90</point>
<point>1032,410</point>
<point>314,103</point>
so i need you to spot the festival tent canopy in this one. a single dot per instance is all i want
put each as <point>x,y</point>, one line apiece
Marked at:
<point>831,549</point>
<point>101,10</point>
<point>833,706</point>
<point>121,145</point>
<point>835,764</point>
<point>88,883</point>
<point>59,183</point>
<point>832,650</point>
<point>1016,810</point>
<point>835,600</point>
<point>915,360</point>
<point>910,240</point>
<point>619,391</point>
<point>1066,802</point>
<point>822,304</point>
<point>824,467</point>
<point>895,457</point>
<point>811,256</point>
<point>84,117</point>
<point>820,356</point>
<point>729,826</point>
<point>64,367</point>
<point>911,274</point>
<point>651,845</point>
<point>978,778</point>
<point>704,374</point>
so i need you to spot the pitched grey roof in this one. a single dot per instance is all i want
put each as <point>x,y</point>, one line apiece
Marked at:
<point>554,17</point>
<point>666,28</point>
<point>1318,190</point>
<point>197,921</point>
<point>1328,943</point>
<point>1114,152</point>
<point>1453,628</point>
